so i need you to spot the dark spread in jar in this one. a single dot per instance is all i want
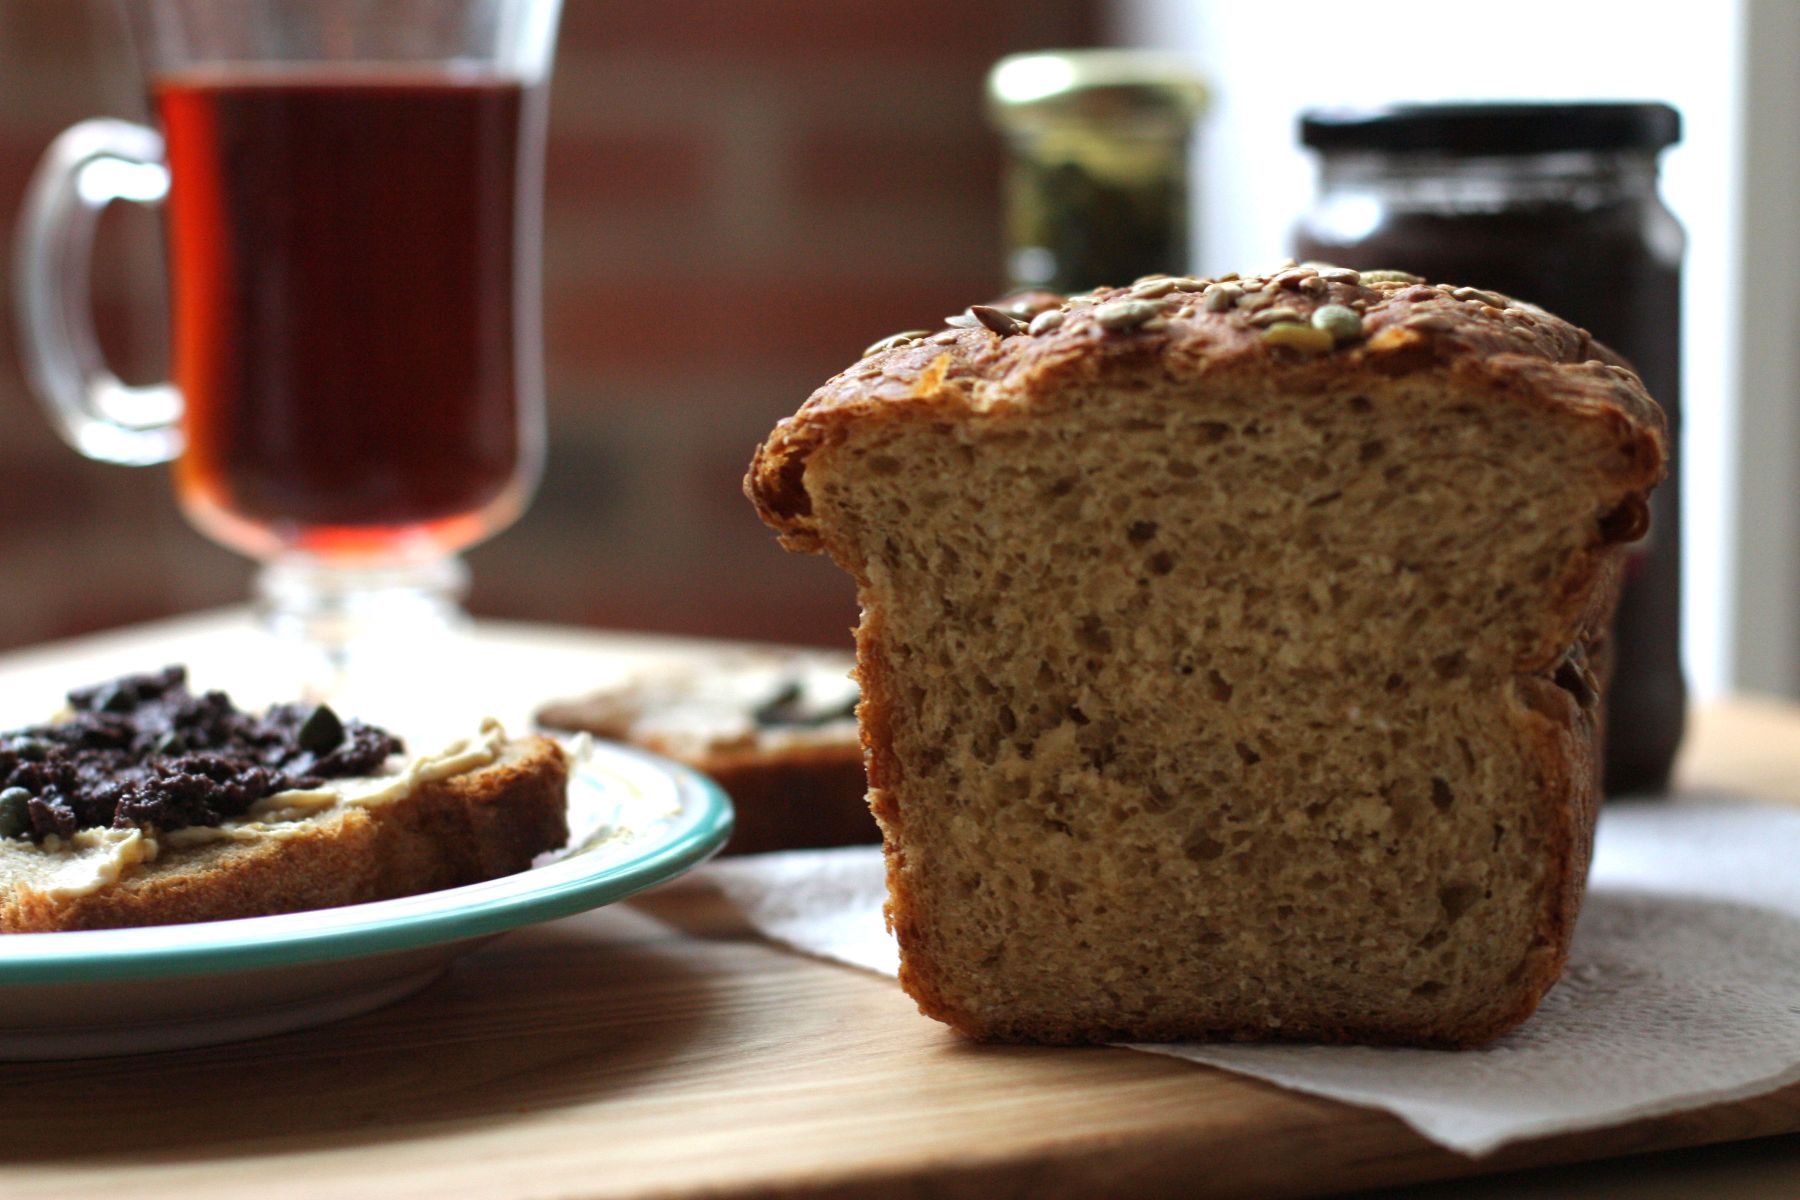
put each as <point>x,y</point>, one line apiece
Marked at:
<point>145,751</point>
<point>1555,204</point>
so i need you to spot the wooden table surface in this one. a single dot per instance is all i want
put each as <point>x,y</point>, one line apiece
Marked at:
<point>658,1048</point>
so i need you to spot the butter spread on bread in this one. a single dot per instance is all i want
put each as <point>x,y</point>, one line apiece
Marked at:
<point>260,815</point>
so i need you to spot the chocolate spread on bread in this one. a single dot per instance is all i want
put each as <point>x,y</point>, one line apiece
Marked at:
<point>145,751</point>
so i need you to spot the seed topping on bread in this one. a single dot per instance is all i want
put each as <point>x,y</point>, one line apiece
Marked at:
<point>1311,317</point>
<point>1299,310</point>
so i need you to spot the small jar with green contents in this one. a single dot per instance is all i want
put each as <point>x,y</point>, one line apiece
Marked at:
<point>1096,188</point>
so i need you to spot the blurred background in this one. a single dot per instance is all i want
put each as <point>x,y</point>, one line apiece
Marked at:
<point>741,194</point>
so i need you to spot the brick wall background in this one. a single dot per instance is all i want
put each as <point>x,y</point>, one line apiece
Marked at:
<point>741,195</point>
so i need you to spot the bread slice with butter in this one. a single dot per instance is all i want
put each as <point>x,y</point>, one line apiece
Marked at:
<point>481,808</point>
<point>775,728</point>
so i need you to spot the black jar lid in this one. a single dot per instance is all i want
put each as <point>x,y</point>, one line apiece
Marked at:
<point>1493,129</point>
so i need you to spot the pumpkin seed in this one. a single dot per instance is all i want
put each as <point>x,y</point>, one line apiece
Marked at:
<point>1390,277</point>
<point>1340,322</point>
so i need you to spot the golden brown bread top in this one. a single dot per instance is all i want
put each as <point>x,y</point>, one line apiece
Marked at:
<point>1299,327</point>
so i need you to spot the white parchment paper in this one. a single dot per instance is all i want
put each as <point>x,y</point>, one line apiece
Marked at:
<point>1683,987</point>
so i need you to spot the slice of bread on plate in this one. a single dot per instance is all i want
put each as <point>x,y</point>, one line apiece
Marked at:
<point>1227,649</point>
<point>222,818</point>
<point>775,728</point>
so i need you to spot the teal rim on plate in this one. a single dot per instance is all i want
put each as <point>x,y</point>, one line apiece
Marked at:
<point>679,819</point>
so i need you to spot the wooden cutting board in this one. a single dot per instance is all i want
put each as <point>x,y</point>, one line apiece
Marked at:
<point>659,1049</point>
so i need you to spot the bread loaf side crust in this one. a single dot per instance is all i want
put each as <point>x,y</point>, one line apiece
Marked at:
<point>462,829</point>
<point>1473,343</point>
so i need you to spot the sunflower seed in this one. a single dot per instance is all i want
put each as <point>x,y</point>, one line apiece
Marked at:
<point>1430,323</point>
<point>1296,336</point>
<point>1121,315</point>
<point>1390,277</point>
<point>895,339</point>
<point>1251,301</point>
<point>1491,298</point>
<point>963,320</point>
<point>1272,316</point>
<point>1045,322</point>
<point>1151,289</point>
<point>1339,275</point>
<point>1220,296</point>
<point>1002,323</point>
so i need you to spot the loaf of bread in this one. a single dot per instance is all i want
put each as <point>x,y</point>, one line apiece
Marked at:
<point>168,808</point>
<point>1225,649</point>
<point>775,729</point>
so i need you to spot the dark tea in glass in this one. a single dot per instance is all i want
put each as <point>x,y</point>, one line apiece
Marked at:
<point>343,274</point>
<point>353,195</point>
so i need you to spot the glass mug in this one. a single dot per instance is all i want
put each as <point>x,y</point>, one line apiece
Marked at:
<point>352,196</point>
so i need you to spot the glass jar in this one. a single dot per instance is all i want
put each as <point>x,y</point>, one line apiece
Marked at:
<point>1096,185</point>
<point>1556,204</point>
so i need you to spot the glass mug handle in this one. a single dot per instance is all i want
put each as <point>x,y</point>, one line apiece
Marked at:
<point>86,168</point>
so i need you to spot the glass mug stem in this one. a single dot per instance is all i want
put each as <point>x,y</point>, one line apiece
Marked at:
<point>356,635</point>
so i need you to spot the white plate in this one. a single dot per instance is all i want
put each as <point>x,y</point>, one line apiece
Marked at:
<point>637,820</point>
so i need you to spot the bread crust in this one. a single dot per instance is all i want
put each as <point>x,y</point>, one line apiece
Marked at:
<point>1475,342</point>
<point>461,829</point>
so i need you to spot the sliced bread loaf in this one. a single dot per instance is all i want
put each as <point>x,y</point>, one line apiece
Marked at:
<point>1227,650</point>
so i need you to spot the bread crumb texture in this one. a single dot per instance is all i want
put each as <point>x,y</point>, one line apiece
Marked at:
<point>1219,690</point>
